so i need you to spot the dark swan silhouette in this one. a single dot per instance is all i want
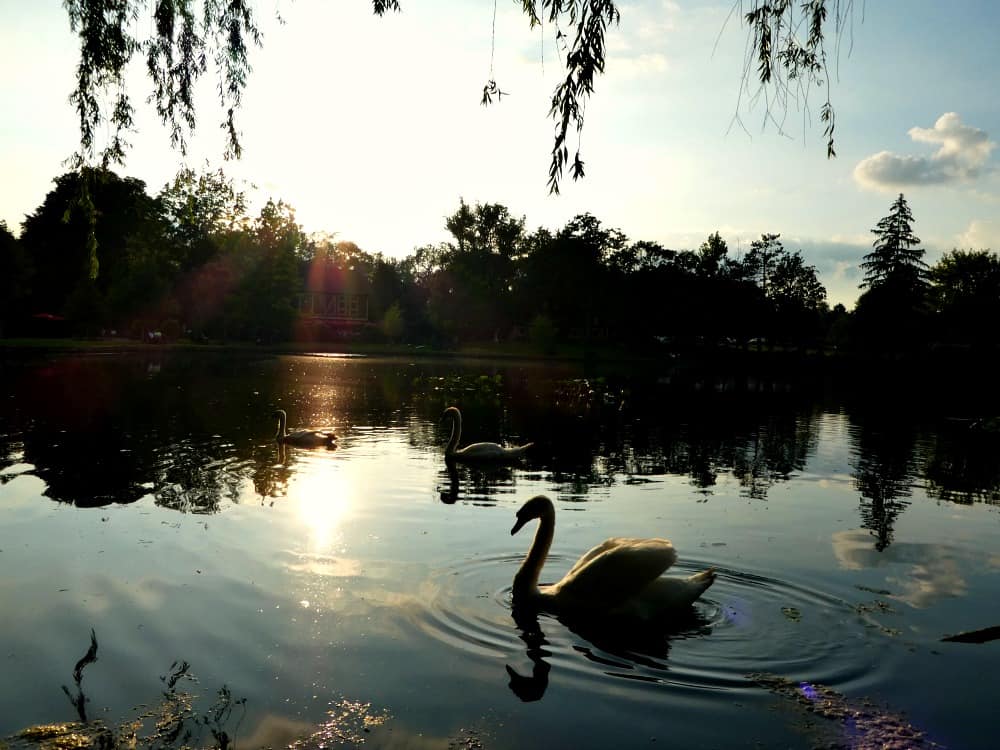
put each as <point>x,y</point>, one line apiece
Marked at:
<point>619,577</point>
<point>483,452</point>
<point>304,438</point>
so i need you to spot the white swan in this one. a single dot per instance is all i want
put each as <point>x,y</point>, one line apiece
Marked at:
<point>619,577</point>
<point>476,451</point>
<point>302,438</point>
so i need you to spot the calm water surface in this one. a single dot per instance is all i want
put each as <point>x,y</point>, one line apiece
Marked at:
<point>144,498</point>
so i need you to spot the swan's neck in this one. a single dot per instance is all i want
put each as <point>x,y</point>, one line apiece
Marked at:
<point>526,579</point>
<point>281,426</point>
<point>456,433</point>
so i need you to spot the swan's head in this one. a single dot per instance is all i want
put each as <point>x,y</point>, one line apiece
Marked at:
<point>537,507</point>
<point>279,413</point>
<point>451,412</point>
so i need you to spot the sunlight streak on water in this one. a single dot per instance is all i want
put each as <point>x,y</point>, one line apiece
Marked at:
<point>322,495</point>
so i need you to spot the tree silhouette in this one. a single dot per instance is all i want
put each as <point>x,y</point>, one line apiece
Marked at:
<point>79,239</point>
<point>14,273</point>
<point>892,312</point>
<point>711,254</point>
<point>896,256</point>
<point>966,297</point>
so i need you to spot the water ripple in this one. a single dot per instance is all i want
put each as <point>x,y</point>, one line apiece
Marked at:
<point>744,623</point>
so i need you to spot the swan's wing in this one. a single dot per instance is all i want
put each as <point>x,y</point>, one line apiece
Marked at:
<point>310,436</point>
<point>480,450</point>
<point>601,548</point>
<point>616,570</point>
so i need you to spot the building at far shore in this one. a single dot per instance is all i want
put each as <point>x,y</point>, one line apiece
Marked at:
<point>333,304</point>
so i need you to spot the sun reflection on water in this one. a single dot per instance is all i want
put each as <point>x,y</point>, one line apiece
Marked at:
<point>323,497</point>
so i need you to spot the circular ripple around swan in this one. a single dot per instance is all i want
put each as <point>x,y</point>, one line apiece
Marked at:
<point>744,623</point>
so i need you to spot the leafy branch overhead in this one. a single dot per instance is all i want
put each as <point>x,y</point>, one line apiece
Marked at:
<point>181,39</point>
<point>786,43</point>
<point>186,34</point>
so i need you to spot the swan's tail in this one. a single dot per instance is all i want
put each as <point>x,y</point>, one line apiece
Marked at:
<point>702,580</point>
<point>517,451</point>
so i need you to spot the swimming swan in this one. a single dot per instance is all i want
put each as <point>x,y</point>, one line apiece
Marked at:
<point>619,577</point>
<point>302,438</point>
<point>476,451</point>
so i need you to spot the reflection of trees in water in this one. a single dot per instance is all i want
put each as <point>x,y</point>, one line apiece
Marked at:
<point>704,439</point>
<point>963,467</point>
<point>89,469</point>
<point>197,478</point>
<point>886,466</point>
<point>595,432</point>
<point>114,429</point>
<point>195,432</point>
<point>11,454</point>
<point>774,450</point>
<point>271,469</point>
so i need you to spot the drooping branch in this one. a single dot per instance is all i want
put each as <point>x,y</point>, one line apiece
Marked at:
<point>583,42</point>
<point>176,53</point>
<point>786,56</point>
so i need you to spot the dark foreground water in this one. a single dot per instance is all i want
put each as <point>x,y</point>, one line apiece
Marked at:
<point>363,592</point>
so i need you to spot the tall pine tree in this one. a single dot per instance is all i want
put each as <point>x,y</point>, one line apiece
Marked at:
<point>897,255</point>
<point>892,312</point>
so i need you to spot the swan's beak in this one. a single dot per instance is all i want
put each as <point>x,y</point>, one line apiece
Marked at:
<point>518,525</point>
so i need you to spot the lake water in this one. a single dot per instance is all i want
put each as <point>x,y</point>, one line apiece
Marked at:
<point>363,593</point>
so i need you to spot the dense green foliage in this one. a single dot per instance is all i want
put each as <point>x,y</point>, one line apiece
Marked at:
<point>190,262</point>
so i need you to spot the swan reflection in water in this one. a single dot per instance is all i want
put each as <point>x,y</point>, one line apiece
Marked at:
<point>485,481</point>
<point>620,642</point>
<point>450,495</point>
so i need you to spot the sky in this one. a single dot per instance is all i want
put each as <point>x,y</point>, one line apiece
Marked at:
<point>372,130</point>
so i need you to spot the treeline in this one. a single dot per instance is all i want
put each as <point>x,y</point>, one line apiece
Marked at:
<point>101,254</point>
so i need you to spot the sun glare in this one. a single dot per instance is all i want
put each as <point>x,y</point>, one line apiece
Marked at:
<point>323,498</point>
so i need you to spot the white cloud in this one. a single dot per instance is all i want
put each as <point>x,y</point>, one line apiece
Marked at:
<point>962,155</point>
<point>635,47</point>
<point>634,66</point>
<point>980,235</point>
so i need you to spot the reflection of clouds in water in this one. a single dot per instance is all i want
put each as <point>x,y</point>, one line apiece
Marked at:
<point>928,584</point>
<point>367,592</point>
<point>934,569</point>
<point>98,596</point>
<point>20,491</point>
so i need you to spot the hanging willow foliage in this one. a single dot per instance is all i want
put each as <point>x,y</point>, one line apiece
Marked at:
<point>786,57</point>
